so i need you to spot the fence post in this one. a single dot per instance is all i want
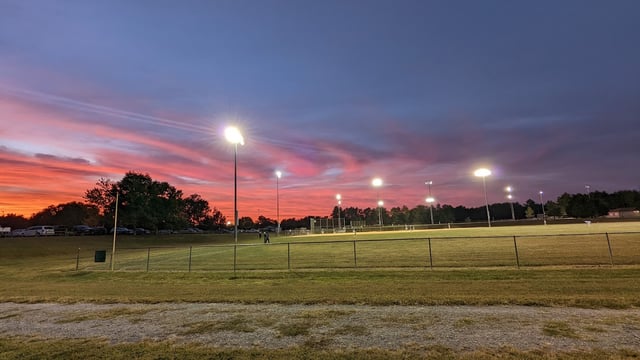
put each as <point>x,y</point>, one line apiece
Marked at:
<point>515,246</point>
<point>430,255</point>
<point>235,249</point>
<point>289,256</point>
<point>190,251</point>
<point>610,252</point>
<point>78,259</point>
<point>148,257</point>
<point>355,258</point>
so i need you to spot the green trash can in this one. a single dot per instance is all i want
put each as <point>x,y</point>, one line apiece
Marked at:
<point>100,256</point>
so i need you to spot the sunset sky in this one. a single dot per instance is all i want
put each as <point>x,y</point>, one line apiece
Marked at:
<point>546,94</point>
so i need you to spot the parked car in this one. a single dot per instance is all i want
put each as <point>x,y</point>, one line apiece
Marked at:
<point>190,231</point>
<point>82,230</point>
<point>141,231</point>
<point>18,232</point>
<point>122,231</point>
<point>39,230</point>
<point>5,231</point>
<point>99,230</point>
<point>61,230</point>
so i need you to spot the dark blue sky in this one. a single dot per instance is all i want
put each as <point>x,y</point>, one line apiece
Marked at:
<point>333,93</point>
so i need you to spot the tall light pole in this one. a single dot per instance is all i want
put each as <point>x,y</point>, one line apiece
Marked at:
<point>339,198</point>
<point>233,135</point>
<point>377,183</point>
<point>544,216</point>
<point>509,189</point>
<point>483,173</point>
<point>278,176</point>
<point>115,232</point>
<point>430,199</point>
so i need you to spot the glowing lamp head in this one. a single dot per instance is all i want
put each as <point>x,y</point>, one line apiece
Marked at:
<point>430,200</point>
<point>509,196</point>
<point>508,189</point>
<point>278,174</point>
<point>482,172</point>
<point>377,182</point>
<point>338,197</point>
<point>380,203</point>
<point>233,135</point>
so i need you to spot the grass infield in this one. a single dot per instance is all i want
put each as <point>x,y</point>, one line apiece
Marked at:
<point>475,266</point>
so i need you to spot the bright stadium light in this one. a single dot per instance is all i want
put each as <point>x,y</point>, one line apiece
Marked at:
<point>509,190</point>
<point>430,199</point>
<point>233,135</point>
<point>544,216</point>
<point>377,183</point>
<point>278,176</point>
<point>339,199</point>
<point>483,173</point>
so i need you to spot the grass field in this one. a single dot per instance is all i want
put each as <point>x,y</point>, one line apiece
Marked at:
<point>560,265</point>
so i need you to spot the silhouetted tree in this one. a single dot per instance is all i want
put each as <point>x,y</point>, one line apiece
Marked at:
<point>68,214</point>
<point>14,221</point>
<point>246,223</point>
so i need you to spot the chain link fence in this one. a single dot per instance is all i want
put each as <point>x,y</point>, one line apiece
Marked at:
<point>602,249</point>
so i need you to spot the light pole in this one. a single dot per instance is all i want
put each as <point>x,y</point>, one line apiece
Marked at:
<point>544,216</point>
<point>339,198</point>
<point>430,199</point>
<point>377,182</point>
<point>233,135</point>
<point>509,189</point>
<point>483,173</point>
<point>278,176</point>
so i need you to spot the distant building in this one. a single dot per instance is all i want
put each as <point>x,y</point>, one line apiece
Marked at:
<point>624,213</point>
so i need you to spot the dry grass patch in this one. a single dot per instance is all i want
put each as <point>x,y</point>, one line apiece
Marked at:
<point>235,324</point>
<point>616,320</point>
<point>418,321</point>
<point>298,328</point>
<point>9,315</point>
<point>306,320</point>
<point>559,329</point>
<point>464,322</point>
<point>132,314</point>
<point>595,329</point>
<point>324,314</point>
<point>354,330</point>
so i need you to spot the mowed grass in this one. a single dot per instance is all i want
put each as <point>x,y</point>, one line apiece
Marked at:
<point>570,267</point>
<point>98,349</point>
<point>470,266</point>
<point>553,245</point>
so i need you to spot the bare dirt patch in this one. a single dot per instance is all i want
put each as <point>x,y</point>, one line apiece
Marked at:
<point>273,326</point>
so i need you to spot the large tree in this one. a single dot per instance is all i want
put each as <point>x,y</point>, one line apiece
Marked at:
<point>68,214</point>
<point>144,202</point>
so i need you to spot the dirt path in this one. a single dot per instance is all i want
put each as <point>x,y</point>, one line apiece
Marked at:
<point>330,326</point>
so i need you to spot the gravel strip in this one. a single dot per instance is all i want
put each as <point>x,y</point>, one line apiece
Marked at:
<point>464,328</point>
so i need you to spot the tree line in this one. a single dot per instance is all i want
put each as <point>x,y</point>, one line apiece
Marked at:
<point>153,205</point>
<point>142,203</point>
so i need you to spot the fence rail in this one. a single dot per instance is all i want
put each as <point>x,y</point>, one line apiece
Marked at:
<point>601,249</point>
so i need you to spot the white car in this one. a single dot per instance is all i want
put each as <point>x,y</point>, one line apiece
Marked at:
<point>40,230</point>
